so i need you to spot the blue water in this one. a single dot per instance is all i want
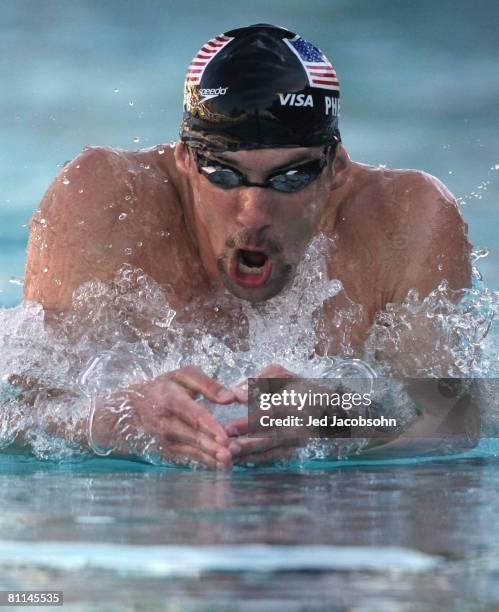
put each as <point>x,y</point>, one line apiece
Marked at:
<point>114,534</point>
<point>419,89</point>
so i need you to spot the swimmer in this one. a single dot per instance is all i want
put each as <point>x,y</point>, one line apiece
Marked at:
<point>258,171</point>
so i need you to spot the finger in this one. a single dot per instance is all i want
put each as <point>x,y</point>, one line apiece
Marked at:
<point>241,394</point>
<point>240,390</point>
<point>176,401</point>
<point>174,430</point>
<point>250,446</point>
<point>184,453</point>
<point>274,370</point>
<point>268,457</point>
<point>194,379</point>
<point>239,427</point>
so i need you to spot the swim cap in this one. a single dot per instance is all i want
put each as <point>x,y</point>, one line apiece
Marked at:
<point>259,87</point>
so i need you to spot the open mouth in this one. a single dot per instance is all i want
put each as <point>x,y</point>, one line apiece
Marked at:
<point>250,268</point>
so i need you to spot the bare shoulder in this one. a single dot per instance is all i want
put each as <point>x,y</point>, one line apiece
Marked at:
<point>406,230</point>
<point>413,196</point>
<point>436,244</point>
<point>421,192</point>
<point>101,181</point>
<point>106,207</point>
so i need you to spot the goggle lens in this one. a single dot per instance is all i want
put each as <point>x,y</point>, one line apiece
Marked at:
<point>285,182</point>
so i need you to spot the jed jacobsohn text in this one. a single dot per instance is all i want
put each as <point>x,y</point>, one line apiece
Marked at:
<point>326,421</point>
<point>295,399</point>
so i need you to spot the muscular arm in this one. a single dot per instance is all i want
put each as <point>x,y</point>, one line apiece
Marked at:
<point>107,208</point>
<point>437,242</point>
<point>419,341</point>
<point>437,249</point>
<point>70,229</point>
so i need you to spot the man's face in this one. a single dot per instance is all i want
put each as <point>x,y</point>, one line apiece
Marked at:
<point>252,238</point>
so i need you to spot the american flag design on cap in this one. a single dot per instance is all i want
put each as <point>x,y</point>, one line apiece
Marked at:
<point>203,57</point>
<point>319,69</point>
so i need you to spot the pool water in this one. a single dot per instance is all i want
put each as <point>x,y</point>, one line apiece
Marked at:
<point>117,535</point>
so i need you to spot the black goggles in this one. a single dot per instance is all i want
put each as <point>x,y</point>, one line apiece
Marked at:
<point>286,181</point>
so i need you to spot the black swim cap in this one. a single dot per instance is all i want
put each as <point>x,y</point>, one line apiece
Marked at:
<point>259,87</point>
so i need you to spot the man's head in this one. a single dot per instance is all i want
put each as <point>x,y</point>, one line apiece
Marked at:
<point>259,142</point>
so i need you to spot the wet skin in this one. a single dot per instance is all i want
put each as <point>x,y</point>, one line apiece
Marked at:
<point>393,230</point>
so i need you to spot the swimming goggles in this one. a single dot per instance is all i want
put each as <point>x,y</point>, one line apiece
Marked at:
<point>286,181</point>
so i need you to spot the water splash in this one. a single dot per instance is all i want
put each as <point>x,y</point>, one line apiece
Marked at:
<point>454,330</point>
<point>125,331</point>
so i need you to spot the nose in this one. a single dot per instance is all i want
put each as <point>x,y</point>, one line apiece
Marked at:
<point>254,211</point>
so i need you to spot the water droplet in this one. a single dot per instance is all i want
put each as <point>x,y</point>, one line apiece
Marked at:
<point>161,323</point>
<point>147,167</point>
<point>136,139</point>
<point>128,198</point>
<point>80,190</point>
<point>123,216</point>
<point>116,90</point>
<point>45,270</point>
<point>161,151</point>
<point>139,244</point>
<point>479,253</point>
<point>109,246</point>
<point>14,280</point>
<point>58,282</point>
<point>131,103</point>
<point>172,144</point>
<point>440,267</point>
<point>496,166</point>
<point>43,222</point>
<point>65,181</point>
<point>450,172</point>
<point>128,251</point>
<point>164,234</point>
<point>476,273</point>
<point>77,166</point>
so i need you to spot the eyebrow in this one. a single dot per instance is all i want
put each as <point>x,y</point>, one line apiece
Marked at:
<point>298,160</point>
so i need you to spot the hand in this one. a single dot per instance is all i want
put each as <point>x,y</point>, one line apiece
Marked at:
<point>267,449</point>
<point>259,451</point>
<point>160,417</point>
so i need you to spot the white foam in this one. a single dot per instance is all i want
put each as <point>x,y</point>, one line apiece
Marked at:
<point>168,561</point>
